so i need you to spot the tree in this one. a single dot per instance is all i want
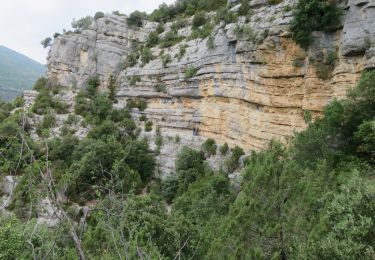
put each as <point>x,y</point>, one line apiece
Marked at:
<point>189,167</point>
<point>313,15</point>
<point>136,18</point>
<point>82,23</point>
<point>47,42</point>
<point>346,228</point>
<point>98,15</point>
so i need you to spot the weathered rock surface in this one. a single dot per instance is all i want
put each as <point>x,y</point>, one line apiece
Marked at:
<point>244,93</point>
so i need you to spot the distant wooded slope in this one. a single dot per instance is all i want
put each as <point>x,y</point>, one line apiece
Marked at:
<point>17,72</point>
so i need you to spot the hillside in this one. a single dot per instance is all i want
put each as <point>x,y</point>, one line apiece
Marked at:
<point>17,73</point>
<point>208,129</point>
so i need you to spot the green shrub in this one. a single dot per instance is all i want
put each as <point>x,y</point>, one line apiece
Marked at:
<point>160,87</point>
<point>159,138</point>
<point>45,102</point>
<point>101,107</point>
<point>141,104</point>
<point>169,188</point>
<point>287,8</point>
<point>152,39</point>
<point>142,118</point>
<point>202,32</point>
<point>199,19</point>
<point>19,101</point>
<point>313,15</point>
<point>48,121</point>
<point>40,84</point>
<point>189,167</point>
<point>185,8</point>
<point>127,125</point>
<point>92,86</point>
<point>209,147</point>
<point>245,8</point>
<point>134,79</point>
<point>82,24</point>
<point>132,60</point>
<point>146,56</point>
<point>274,2</point>
<point>166,59</point>
<point>182,52</point>
<point>104,131</point>
<point>233,162</point>
<point>98,15</point>
<point>13,240</point>
<point>171,38</point>
<point>160,29</point>
<point>190,72</point>
<point>81,104</point>
<point>136,18</point>
<point>225,15</point>
<point>224,149</point>
<point>365,137</point>
<point>148,126</point>
<point>112,88</point>
<point>47,42</point>
<point>179,24</point>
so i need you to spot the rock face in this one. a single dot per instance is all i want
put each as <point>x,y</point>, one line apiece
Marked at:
<point>245,91</point>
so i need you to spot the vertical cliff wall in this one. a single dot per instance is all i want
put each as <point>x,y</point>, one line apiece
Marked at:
<point>244,92</point>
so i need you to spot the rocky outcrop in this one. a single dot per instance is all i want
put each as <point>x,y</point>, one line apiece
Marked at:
<point>98,51</point>
<point>246,90</point>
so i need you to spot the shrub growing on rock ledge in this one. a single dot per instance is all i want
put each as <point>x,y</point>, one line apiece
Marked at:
<point>190,72</point>
<point>136,18</point>
<point>313,15</point>
<point>148,126</point>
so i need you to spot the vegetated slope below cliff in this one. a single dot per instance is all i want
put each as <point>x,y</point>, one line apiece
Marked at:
<point>17,73</point>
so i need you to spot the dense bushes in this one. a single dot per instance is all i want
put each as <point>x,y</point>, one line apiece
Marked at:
<point>190,72</point>
<point>189,167</point>
<point>313,15</point>
<point>45,101</point>
<point>181,7</point>
<point>170,38</point>
<point>209,147</point>
<point>82,23</point>
<point>199,20</point>
<point>233,163</point>
<point>136,18</point>
<point>313,198</point>
<point>141,104</point>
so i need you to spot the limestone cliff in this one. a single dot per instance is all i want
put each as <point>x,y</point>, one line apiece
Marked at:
<point>245,92</point>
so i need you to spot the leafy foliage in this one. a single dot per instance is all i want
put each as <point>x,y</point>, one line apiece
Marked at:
<point>232,163</point>
<point>136,18</point>
<point>82,23</point>
<point>209,147</point>
<point>313,15</point>
<point>190,72</point>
